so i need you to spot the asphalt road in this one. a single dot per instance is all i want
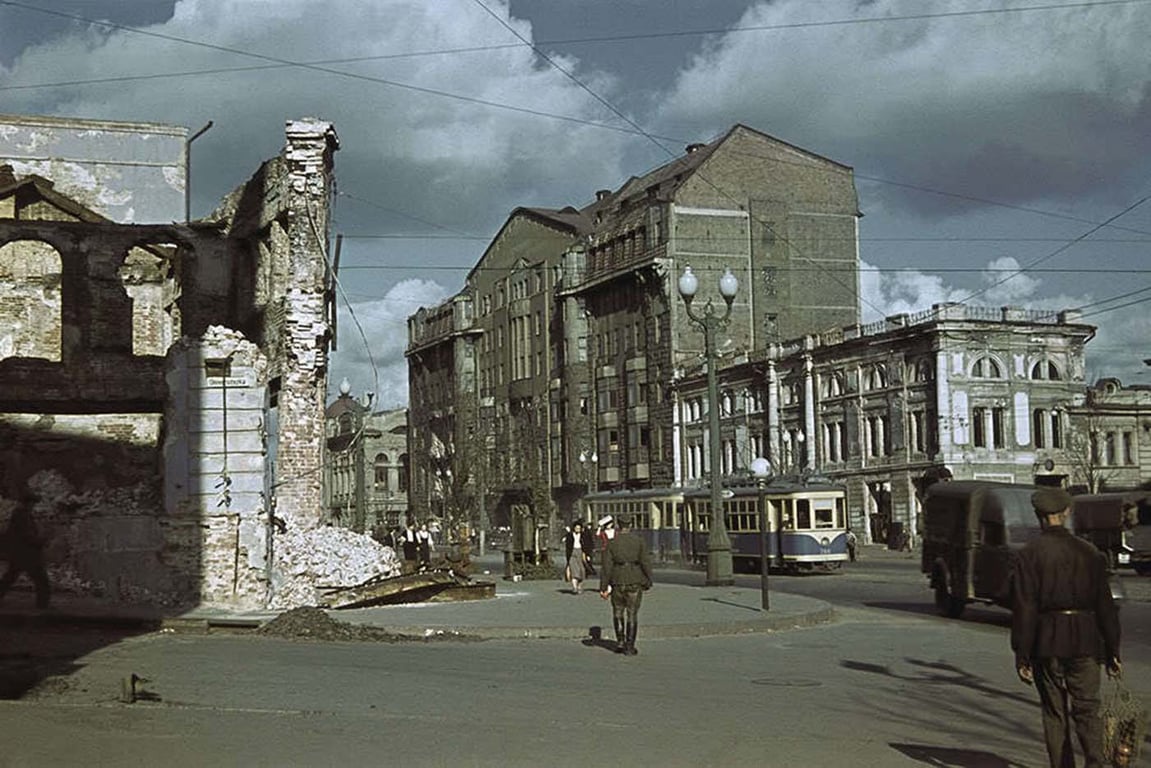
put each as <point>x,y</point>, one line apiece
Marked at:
<point>887,683</point>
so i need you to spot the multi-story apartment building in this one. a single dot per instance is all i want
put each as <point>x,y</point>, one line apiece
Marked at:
<point>366,466</point>
<point>986,393</point>
<point>549,373</point>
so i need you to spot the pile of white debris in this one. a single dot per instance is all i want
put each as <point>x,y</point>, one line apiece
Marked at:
<point>309,562</point>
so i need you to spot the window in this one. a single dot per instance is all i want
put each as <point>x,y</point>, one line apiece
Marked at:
<point>1128,448</point>
<point>1056,430</point>
<point>1045,369</point>
<point>803,514</point>
<point>403,473</point>
<point>1039,427</point>
<point>979,427</point>
<point>381,467</point>
<point>997,437</point>
<point>986,368</point>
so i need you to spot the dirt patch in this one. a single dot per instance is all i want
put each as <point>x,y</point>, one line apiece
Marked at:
<point>314,624</point>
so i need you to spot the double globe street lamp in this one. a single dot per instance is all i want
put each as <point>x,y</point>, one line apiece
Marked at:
<point>719,568</point>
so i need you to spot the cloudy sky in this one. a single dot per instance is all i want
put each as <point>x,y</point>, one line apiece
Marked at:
<point>1001,147</point>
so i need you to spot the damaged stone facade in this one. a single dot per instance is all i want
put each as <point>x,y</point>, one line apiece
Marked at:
<point>161,385</point>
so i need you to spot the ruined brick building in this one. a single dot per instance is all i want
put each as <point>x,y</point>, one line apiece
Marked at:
<point>162,384</point>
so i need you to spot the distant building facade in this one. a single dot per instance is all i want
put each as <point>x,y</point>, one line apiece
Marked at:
<point>986,393</point>
<point>549,373</point>
<point>366,466</point>
<point>1111,439</point>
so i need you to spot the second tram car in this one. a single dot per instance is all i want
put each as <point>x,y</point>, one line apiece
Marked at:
<point>807,522</point>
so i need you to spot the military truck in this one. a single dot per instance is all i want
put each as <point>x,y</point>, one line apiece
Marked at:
<point>1119,524</point>
<point>971,531</point>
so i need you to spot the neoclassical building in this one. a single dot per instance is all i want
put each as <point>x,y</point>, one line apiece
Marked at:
<point>987,393</point>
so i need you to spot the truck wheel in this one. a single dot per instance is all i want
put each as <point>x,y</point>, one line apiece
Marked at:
<point>948,606</point>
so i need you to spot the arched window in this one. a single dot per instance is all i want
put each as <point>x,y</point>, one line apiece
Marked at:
<point>875,377</point>
<point>986,367</point>
<point>346,423</point>
<point>403,473</point>
<point>30,292</point>
<point>381,467</point>
<point>1045,370</point>
<point>922,370</point>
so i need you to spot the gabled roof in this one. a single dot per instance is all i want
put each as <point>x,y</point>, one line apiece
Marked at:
<point>568,220</point>
<point>10,186</point>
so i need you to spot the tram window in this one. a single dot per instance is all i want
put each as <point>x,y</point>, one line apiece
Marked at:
<point>802,513</point>
<point>824,517</point>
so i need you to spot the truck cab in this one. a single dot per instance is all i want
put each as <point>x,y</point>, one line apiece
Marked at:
<point>971,531</point>
<point>1116,523</point>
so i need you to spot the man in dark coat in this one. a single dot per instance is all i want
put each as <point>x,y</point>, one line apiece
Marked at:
<point>1064,624</point>
<point>23,547</point>
<point>624,575</point>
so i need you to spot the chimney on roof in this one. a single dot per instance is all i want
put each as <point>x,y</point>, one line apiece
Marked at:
<point>691,148</point>
<point>7,175</point>
<point>602,194</point>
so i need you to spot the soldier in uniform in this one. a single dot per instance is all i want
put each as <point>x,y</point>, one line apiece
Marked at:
<point>23,546</point>
<point>624,575</point>
<point>1064,625</point>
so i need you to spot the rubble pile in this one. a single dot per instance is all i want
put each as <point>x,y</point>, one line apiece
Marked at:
<point>326,558</point>
<point>314,624</point>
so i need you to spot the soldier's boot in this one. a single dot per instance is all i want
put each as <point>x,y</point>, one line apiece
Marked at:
<point>631,632</point>
<point>620,634</point>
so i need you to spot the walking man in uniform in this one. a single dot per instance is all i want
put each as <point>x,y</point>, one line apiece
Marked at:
<point>1064,625</point>
<point>624,576</point>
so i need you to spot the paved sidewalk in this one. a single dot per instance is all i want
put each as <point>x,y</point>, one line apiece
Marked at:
<point>548,609</point>
<point>523,609</point>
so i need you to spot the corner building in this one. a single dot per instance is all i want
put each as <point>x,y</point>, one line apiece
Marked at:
<point>550,374</point>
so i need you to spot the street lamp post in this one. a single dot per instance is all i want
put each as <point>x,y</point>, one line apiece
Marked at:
<point>719,569</point>
<point>761,468</point>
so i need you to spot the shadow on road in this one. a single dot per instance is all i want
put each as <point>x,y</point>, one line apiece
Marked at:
<point>935,673</point>
<point>973,615</point>
<point>595,639</point>
<point>41,648</point>
<point>954,758</point>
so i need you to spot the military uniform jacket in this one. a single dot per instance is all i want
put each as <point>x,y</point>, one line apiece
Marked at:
<point>626,563</point>
<point>1062,602</point>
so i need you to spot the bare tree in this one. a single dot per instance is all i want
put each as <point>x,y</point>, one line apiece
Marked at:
<point>1088,452</point>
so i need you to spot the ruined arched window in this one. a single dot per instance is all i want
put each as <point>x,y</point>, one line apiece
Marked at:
<point>147,279</point>
<point>31,272</point>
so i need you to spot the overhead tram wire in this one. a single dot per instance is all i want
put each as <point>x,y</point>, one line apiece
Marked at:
<point>276,63</point>
<point>635,128</point>
<point>859,296</point>
<point>633,37</point>
<point>1059,250</point>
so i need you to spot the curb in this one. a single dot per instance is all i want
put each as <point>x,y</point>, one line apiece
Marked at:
<point>824,614</point>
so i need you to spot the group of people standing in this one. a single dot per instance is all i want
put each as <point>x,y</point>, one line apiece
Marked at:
<point>624,571</point>
<point>416,545</point>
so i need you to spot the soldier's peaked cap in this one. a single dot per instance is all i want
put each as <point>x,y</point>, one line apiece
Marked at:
<point>1050,501</point>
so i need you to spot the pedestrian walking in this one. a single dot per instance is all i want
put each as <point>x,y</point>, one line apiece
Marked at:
<point>625,574</point>
<point>1064,625</point>
<point>23,547</point>
<point>411,547</point>
<point>425,546</point>
<point>588,544</point>
<point>852,542</point>
<point>576,556</point>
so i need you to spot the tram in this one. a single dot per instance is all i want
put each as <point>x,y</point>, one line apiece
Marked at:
<point>806,522</point>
